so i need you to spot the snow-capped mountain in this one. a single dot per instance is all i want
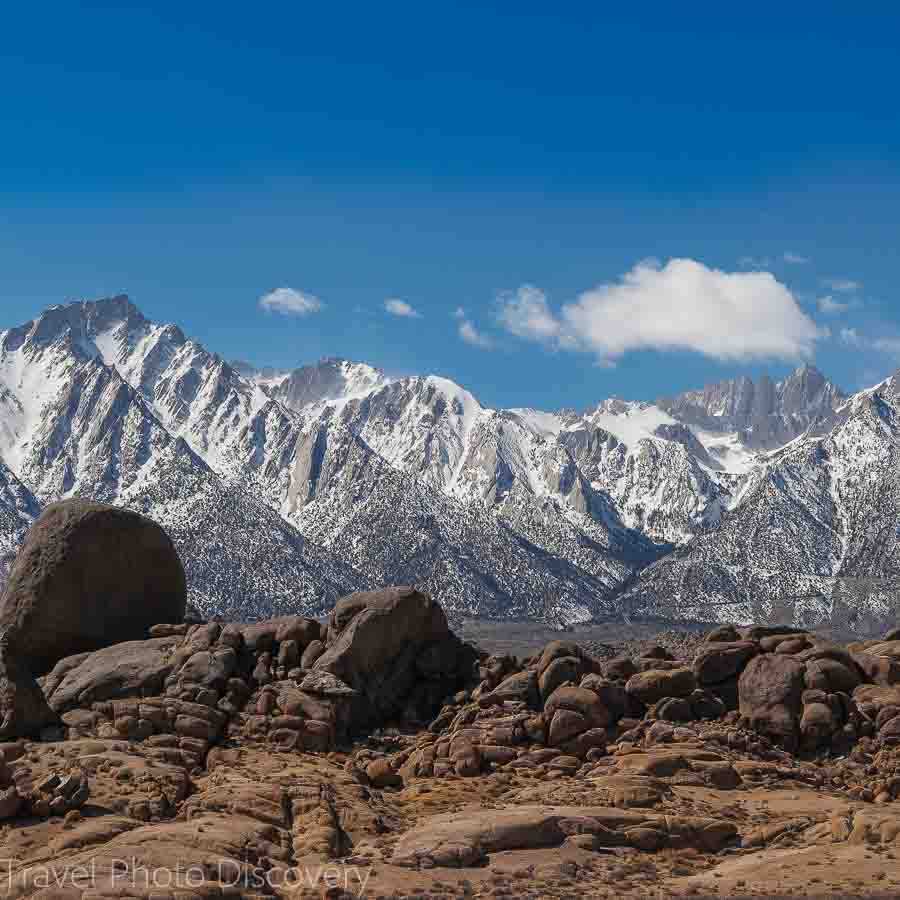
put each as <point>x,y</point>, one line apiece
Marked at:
<point>765,414</point>
<point>284,489</point>
<point>812,536</point>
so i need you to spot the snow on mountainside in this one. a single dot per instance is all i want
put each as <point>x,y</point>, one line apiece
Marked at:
<point>284,489</point>
<point>767,414</point>
<point>814,537</point>
<point>74,427</point>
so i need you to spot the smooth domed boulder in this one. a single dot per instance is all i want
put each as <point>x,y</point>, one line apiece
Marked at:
<point>130,669</point>
<point>674,709</point>
<point>556,650</point>
<point>706,705</point>
<point>831,676</point>
<point>611,695</point>
<point>719,661</point>
<point>653,685</point>
<point>818,722</point>
<point>758,632</point>
<point>657,651</point>
<point>561,670</point>
<point>770,691</point>
<point>87,576</point>
<point>790,645</point>
<point>579,700</point>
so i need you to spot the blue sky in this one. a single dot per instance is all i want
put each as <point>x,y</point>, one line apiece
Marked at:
<point>487,167</point>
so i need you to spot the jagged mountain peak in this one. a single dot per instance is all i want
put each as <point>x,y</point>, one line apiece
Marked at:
<point>330,380</point>
<point>344,476</point>
<point>764,413</point>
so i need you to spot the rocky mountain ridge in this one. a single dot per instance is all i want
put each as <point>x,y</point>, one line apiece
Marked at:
<point>347,478</point>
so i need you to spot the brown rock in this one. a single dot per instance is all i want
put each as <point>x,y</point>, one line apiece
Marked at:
<point>582,701</point>
<point>652,686</point>
<point>770,690</point>
<point>719,661</point>
<point>88,576</point>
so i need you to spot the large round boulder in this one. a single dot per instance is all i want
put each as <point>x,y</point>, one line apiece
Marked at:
<point>771,690</point>
<point>89,575</point>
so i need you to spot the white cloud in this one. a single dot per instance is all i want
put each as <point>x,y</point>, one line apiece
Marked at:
<point>683,305</point>
<point>852,337</point>
<point>469,333</point>
<point>795,258</point>
<point>831,307</point>
<point>290,302</point>
<point>754,262</point>
<point>843,285</point>
<point>525,313</point>
<point>887,345</point>
<point>401,308</point>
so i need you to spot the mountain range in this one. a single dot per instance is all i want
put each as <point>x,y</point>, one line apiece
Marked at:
<point>285,489</point>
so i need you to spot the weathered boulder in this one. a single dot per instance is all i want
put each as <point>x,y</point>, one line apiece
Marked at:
<point>619,668</point>
<point>655,684</point>
<point>718,661</point>
<point>523,686</point>
<point>582,701</point>
<point>559,671</point>
<point>818,722</point>
<point>87,576</point>
<point>374,641</point>
<point>770,689</point>
<point>611,695</point>
<point>451,840</point>
<point>23,709</point>
<point>886,648</point>
<point>313,651</point>
<point>831,676</point>
<point>130,669</point>
<point>674,709</point>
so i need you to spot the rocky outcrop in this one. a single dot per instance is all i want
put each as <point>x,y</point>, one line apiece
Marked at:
<point>395,649</point>
<point>213,746</point>
<point>252,753</point>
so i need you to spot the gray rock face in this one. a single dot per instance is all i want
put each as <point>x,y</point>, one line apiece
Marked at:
<point>767,414</point>
<point>87,576</point>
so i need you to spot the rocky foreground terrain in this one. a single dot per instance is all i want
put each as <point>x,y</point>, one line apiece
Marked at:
<point>380,755</point>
